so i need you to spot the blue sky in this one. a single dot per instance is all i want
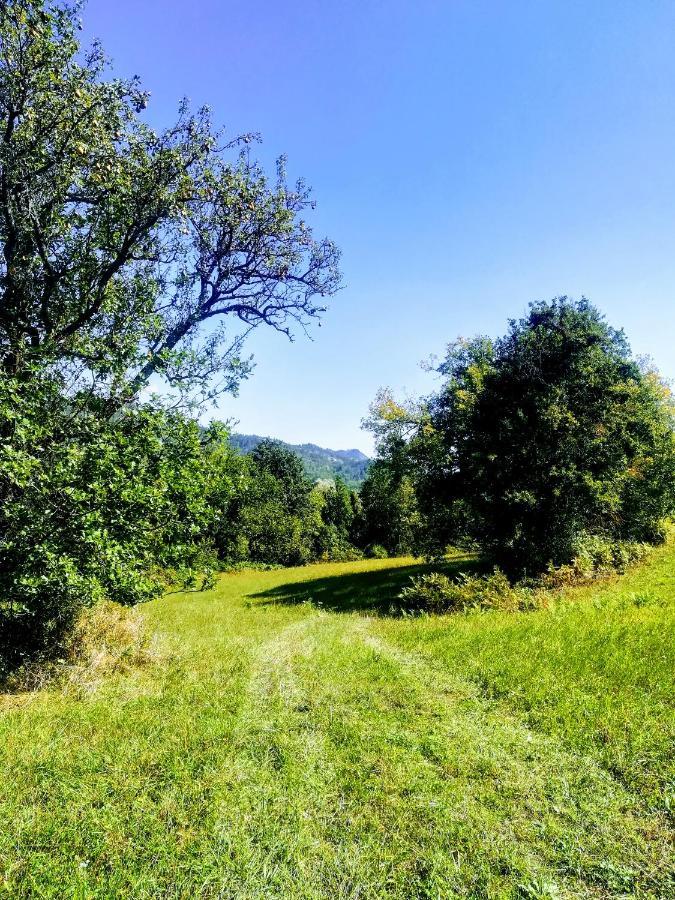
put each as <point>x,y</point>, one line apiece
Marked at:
<point>467,156</point>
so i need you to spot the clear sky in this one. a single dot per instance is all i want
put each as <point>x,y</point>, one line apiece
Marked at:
<point>468,156</point>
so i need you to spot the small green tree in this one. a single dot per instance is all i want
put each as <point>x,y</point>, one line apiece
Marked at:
<point>272,458</point>
<point>390,516</point>
<point>338,507</point>
<point>341,521</point>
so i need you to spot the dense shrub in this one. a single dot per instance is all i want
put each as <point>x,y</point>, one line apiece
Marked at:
<point>267,511</point>
<point>91,508</point>
<point>436,592</point>
<point>376,551</point>
<point>264,508</point>
<point>594,557</point>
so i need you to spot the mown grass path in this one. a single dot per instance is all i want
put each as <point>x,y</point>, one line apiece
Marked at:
<point>298,742</point>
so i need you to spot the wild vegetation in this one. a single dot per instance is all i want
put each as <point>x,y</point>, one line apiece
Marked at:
<point>131,261</point>
<point>543,446</point>
<point>120,246</point>
<point>192,710</point>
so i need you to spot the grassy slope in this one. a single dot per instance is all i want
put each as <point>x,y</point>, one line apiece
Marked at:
<point>296,744</point>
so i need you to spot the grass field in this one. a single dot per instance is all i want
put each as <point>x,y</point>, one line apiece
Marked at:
<point>296,741</point>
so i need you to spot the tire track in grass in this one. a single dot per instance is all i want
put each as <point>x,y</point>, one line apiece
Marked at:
<point>350,837</point>
<point>276,792</point>
<point>360,770</point>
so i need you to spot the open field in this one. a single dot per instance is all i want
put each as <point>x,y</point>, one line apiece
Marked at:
<point>296,741</point>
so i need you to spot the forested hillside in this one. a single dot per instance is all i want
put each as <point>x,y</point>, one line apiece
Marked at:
<point>320,463</point>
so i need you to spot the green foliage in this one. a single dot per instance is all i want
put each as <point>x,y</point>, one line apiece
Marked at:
<point>390,516</point>
<point>435,592</point>
<point>595,557</point>
<point>274,531</point>
<point>342,517</point>
<point>91,508</point>
<point>119,242</point>
<point>118,246</point>
<point>263,509</point>
<point>271,458</point>
<point>267,511</point>
<point>548,434</point>
<point>338,507</point>
<point>376,551</point>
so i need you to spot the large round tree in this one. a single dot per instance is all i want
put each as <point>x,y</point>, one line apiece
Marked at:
<point>545,435</point>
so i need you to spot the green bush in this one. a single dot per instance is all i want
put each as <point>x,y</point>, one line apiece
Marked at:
<point>376,551</point>
<point>436,592</point>
<point>346,553</point>
<point>595,556</point>
<point>90,509</point>
<point>430,593</point>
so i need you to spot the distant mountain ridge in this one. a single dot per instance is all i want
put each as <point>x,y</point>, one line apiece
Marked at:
<point>320,462</point>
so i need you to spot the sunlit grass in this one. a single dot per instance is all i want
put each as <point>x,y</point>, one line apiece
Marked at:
<point>295,741</point>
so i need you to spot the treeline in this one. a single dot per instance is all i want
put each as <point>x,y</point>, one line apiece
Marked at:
<point>545,447</point>
<point>266,510</point>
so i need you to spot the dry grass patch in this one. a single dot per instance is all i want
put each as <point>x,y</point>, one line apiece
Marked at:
<point>107,639</point>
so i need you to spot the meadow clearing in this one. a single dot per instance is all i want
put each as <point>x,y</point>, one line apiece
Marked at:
<point>224,672</point>
<point>294,739</point>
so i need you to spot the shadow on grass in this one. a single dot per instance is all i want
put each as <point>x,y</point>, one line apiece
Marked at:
<point>375,592</point>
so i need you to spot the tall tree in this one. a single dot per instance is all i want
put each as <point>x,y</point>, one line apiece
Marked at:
<point>128,253</point>
<point>130,260</point>
<point>271,457</point>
